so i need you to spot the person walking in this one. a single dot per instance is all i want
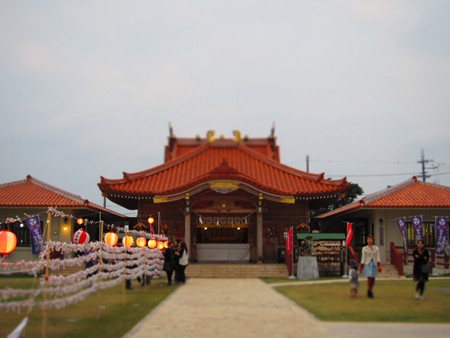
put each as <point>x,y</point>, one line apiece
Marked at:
<point>169,264</point>
<point>183,255</point>
<point>370,264</point>
<point>421,258</point>
<point>353,276</point>
<point>176,258</point>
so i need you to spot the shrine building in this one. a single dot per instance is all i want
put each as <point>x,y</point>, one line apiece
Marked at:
<point>230,199</point>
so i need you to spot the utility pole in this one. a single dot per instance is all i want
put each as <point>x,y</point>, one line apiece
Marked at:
<point>423,161</point>
<point>307,163</point>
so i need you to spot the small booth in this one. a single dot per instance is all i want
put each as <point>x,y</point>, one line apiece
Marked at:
<point>328,248</point>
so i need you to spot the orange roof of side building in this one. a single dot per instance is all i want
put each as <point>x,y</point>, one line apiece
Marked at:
<point>254,162</point>
<point>412,193</point>
<point>32,192</point>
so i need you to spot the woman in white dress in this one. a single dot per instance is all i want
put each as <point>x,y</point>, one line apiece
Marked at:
<point>370,264</point>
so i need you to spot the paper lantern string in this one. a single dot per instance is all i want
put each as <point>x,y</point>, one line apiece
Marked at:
<point>108,266</point>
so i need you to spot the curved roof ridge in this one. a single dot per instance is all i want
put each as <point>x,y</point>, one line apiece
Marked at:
<point>161,167</point>
<point>8,184</point>
<point>436,185</point>
<point>222,159</point>
<point>76,198</point>
<point>387,191</point>
<point>315,177</point>
<point>127,177</point>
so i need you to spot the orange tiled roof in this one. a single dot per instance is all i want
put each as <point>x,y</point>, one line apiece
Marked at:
<point>178,147</point>
<point>223,159</point>
<point>412,193</point>
<point>34,193</point>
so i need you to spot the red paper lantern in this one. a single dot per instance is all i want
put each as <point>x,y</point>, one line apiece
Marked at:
<point>166,244</point>
<point>128,241</point>
<point>80,236</point>
<point>160,245</point>
<point>8,242</point>
<point>141,241</point>
<point>152,243</point>
<point>111,238</point>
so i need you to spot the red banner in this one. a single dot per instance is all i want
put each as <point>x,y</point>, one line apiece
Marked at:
<point>289,240</point>
<point>288,250</point>
<point>349,234</point>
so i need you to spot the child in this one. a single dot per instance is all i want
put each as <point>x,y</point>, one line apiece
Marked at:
<point>354,274</point>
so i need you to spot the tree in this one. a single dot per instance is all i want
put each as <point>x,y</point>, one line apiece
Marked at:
<point>349,196</point>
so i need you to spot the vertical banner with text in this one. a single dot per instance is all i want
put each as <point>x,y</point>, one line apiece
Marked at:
<point>34,225</point>
<point>418,226</point>
<point>401,222</point>
<point>441,228</point>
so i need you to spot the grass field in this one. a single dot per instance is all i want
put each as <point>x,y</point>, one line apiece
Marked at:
<point>109,313</point>
<point>113,312</point>
<point>394,301</point>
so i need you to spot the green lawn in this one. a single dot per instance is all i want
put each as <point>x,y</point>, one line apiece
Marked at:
<point>109,313</point>
<point>394,301</point>
<point>113,312</point>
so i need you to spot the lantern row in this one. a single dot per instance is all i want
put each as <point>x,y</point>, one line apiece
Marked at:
<point>8,240</point>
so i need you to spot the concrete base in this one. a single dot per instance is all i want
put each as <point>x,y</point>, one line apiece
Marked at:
<point>223,253</point>
<point>307,268</point>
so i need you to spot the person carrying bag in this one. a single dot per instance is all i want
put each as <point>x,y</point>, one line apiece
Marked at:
<point>183,262</point>
<point>421,268</point>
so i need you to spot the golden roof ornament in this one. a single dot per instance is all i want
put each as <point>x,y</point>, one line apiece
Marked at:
<point>237,135</point>
<point>210,136</point>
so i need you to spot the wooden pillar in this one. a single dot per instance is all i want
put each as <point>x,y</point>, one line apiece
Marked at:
<point>187,221</point>
<point>187,229</point>
<point>259,236</point>
<point>259,229</point>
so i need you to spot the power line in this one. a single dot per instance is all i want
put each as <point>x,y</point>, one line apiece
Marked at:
<point>381,175</point>
<point>377,175</point>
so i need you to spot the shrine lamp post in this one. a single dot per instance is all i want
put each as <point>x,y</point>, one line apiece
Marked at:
<point>151,220</point>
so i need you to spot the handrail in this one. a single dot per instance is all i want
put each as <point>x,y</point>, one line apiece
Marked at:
<point>397,259</point>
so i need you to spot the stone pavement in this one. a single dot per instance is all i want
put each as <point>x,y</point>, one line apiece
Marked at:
<point>251,308</point>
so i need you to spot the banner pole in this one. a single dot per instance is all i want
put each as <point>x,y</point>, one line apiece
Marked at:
<point>345,264</point>
<point>292,254</point>
<point>47,273</point>
<point>346,252</point>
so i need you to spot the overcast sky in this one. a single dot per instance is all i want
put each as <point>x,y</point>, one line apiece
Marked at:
<point>88,88</point>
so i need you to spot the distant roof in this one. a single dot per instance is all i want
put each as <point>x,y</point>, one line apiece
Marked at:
<point>32,192</point>
<point>412,193</point>
<point>222,159</point>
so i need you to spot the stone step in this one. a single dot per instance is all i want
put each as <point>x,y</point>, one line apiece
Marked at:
<point>236,270</point>
<point>389,271</point>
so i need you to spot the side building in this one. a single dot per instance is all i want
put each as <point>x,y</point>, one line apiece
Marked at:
<point>32,197</point>
<point>378,214</point>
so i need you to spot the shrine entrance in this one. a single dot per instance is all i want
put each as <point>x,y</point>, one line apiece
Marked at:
<point>229,199</point>
<point>223,239</point>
